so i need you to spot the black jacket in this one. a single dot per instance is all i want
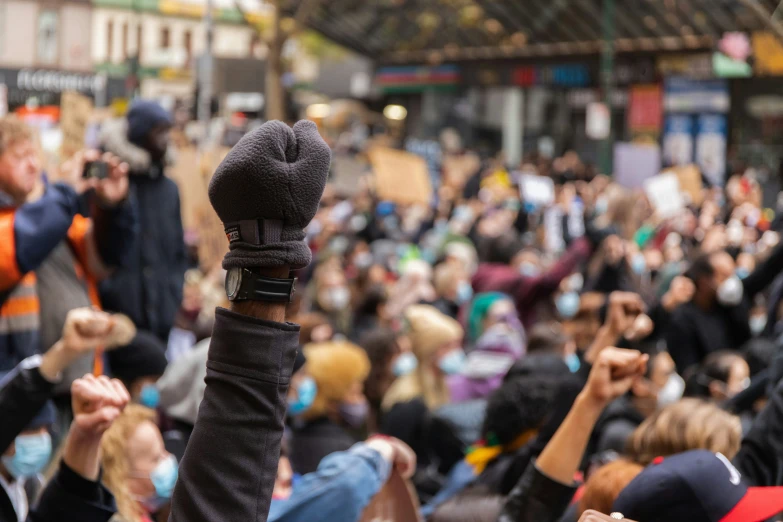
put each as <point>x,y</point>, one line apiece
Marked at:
<point>229,468</point>
<point>536,498</point>
<point>68,495</point>
<point>616,424</point>
<point>149,288</point>
<point>314,441</point>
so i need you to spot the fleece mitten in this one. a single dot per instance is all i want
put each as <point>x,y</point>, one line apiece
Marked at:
<point>267,190</point>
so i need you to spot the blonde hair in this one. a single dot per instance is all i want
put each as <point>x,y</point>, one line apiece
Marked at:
<point>13,130</point>
<point>603,486</point>
<point>115,459</point>
<point>335,366</point>
<point>685,425</point>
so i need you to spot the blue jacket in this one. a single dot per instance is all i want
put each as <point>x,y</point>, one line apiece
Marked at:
<point>338,490</point>
<point>148,289</point>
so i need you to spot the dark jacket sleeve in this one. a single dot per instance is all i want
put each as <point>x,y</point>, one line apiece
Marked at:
<point>229,468</point>
<point>39,226</point>
<point>681,342</point>
<point>765,273</point>
<point>23,392</point>
<point>535,289</point>
<point>68,493</point>
<point>116,230</point>
<point>536,498</point>
<point>177,277</point>
<point>760,458</point>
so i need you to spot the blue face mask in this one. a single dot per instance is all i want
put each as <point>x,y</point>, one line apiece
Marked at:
<point>306,391</point>
<point>638,264</point>
<point>31,457</point>
<point>149,396</point>
<point>464,292</point>
<point>452,362</point>
<point>529,270</point>
<point>742,272</point>
<point>164,478</point>
<point>404,364</point>
<point>567,304</point>
<point>573,362</point>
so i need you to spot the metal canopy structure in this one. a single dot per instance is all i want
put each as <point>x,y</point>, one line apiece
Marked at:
<point>435,31</point>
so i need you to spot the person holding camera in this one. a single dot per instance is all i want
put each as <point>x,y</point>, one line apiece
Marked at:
<point>58,240</point>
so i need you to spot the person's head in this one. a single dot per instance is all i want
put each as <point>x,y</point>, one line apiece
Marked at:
<point>314,328</point>
<point>504,248</point>
<point>528,262</point>
<point>696,485</point>
<point>463,254</point>
<point>471,505</point>
<point>31,450</point>
<point>20,164</point>
<point>603,486</point>
<point>149,126</point>
<point>715,280</point>
<point>451,283</point>
<point>339,369</point>
<point>139,366</point>
<point>436,339</point>
<point>721,376</point>
<point>137,469</point>
<point>518,409</point>
<point>373,302</point>
<point>333,294</point>
<point>551,338</point>
<point>486,310</point>
<point>387,362</point>
<point>660,385</point>
<point>685,425</point>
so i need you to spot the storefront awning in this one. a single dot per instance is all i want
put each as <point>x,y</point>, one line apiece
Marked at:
<point>435,31</point>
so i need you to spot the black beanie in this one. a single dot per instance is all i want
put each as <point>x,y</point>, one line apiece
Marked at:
<point>145,356</point>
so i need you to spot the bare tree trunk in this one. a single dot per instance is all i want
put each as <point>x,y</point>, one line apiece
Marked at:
<point>275,99</point>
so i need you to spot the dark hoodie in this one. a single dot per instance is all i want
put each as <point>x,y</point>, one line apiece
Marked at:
<point>149,288</point>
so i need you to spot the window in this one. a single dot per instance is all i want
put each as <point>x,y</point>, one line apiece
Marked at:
<point>47,37</point>
<point>165,38</point>
<point>139,41</point>
<point>109,40</point>
<point>188,43</point>
<point>124,41</point>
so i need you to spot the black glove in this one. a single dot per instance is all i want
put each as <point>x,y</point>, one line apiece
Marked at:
<point>267,190</point>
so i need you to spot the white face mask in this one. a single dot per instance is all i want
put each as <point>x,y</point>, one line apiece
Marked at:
<point>672,391</point>
<point>335,298</point>
<point>730,292</point>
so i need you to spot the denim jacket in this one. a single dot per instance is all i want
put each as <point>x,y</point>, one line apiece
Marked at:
<point>338,490</point>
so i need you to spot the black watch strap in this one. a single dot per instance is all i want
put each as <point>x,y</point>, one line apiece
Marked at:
<point>270,289</point>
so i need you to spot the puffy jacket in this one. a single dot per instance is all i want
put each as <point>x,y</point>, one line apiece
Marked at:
<point>29,233</point>
<point>149,288</point>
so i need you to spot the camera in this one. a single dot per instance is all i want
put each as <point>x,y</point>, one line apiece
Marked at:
<point>96,169</point>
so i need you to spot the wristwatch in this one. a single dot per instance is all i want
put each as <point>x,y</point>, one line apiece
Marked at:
<point>243,285</point>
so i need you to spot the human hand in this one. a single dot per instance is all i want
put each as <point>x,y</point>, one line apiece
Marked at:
<point>680,292</point>
<point>267,190</point>
<point>612,375</point>
<point>641,327</point>
<point>113,189</point>
<point>97,402</point>
<point>624,308</point>
<point>595,516</point>
<point>402,457</point>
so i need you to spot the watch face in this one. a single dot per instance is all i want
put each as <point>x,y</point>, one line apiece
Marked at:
<point>233,282</point>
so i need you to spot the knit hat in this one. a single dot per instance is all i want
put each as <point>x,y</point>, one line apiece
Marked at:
<point>145,356</point>
<point>143,116</point>
<point>429,330</point>
<point>335,366</point>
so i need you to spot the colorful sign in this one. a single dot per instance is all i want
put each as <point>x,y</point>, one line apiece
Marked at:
<point>416,79</point>
<point>711,146</point>
<point>678,140</point>
<point>768,53</point>
<point>565,75</point>
<point>687,95</point>
<point>695,66</point>
<point>645,109</point>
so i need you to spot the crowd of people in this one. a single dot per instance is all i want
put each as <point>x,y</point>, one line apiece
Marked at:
<point>586,359</point>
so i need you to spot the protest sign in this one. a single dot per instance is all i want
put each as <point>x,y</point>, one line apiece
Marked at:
<point>400,176</point>
<point>664,194</point>
<point>537,190</point>
<point>75,111</point>
<point>346,174</point>
<point>395,502</point>
<point>689,177</point>
<point>635,163</point>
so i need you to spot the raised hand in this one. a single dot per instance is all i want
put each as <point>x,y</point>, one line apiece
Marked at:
<point>613,373</point>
